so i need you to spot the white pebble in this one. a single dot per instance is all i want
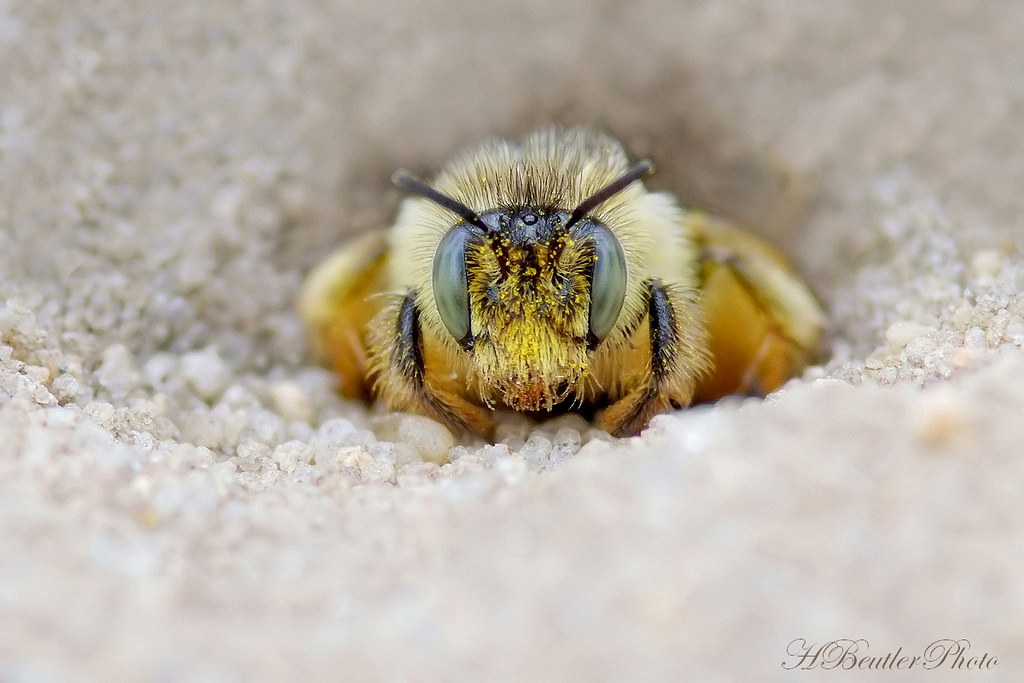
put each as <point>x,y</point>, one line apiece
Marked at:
<point>512,429</point>
<point>236,396</point>
<point>205,372</point>
<point>566,444</point>
<point>902,333</point>
<point>337,432</point>
<point>100,411</point>
<point>117,373</point>
<point>536,451</point>
<point>252,456</point>
<point>65,388</point>
<point>158,368</point>
<point>963,316</point>
<point>430,438</point>
<point>203,428</point>
<point>976,338</point>
<point>291,454</point>
<point>355,460</point>
<point>987,263</point>
<point>384,451</point>
<point>268,427</point>
<point>291,401</point>
<point>1015,332</point>
<point>232,422</point>
<point>36,373</point>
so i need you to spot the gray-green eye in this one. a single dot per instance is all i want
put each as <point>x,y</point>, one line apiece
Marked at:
<point>608,284</point>
<point>450,288</point>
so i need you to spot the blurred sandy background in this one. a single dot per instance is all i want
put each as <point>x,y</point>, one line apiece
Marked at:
<point>182,498</point>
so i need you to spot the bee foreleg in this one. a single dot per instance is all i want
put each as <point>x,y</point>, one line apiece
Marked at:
<point>677,361</point>
<point>402,381</point>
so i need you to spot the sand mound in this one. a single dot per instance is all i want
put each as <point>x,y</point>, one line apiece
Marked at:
<point>183,497</point>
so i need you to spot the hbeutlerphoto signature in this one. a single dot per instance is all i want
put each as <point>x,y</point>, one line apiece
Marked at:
<point>849,653</point>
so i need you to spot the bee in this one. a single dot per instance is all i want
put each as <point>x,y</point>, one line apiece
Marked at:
<point>541,276</point>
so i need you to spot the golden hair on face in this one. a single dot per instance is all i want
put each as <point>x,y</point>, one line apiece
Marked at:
<point>541,275</point>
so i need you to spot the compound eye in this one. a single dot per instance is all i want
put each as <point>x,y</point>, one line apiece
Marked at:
<point>608,285</point>
<point>450,287</point>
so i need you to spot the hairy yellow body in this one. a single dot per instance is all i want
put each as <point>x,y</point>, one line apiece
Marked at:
<point>707,309</point>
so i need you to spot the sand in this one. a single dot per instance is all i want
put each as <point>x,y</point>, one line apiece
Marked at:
<point>184,498</point>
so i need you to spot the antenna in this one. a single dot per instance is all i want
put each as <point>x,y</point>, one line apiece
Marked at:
<point>402,179</point>
<point>635,173</point>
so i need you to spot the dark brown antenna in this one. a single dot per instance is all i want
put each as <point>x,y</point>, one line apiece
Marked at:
<point>402,179</point>
<point>635,173</point>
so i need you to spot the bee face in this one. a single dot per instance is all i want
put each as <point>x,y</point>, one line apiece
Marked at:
<point>529,294</point>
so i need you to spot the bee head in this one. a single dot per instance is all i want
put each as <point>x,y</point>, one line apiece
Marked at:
<point>529,291</point>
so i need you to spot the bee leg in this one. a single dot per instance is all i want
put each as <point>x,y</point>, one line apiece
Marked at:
<point>337,302</point>
<point>402,381</point>
<point>751,382</point>
<point>763,322</point>
<point>677,361</point>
